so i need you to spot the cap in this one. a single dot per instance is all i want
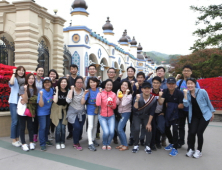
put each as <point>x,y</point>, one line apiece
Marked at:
<point>146,84</point>
<point>171,80</point>
<point>47,78</point>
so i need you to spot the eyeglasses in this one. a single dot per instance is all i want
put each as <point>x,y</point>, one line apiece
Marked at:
<point>186,71</point>
<point>92,69</point>
<point>160,71</point>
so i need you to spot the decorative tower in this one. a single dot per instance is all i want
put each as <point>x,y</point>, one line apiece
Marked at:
<point>133,47</point>
<point>124,42</point>
<point>108,31</point>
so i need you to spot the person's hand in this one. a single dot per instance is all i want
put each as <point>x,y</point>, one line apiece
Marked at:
<point>120,75</point>
<point>25,87</point>
<point>100,90</point>
<point>52,79</point>
<point>84,78</point>
<point>185,91</point>
<point>127,91</point>
<point>150,74</point>
<point>166,104</point>
<point>99,77</point>
<point>212,118</point>
<point>72,88</point>
<point>86,91</point>
<point>57,88</point>
<point>160,94</point>
<point>22,102</point>
<point>161,114</point>
<point>132,83</point>
<point>14,70</point>
<point>178,76</point>
<point>138,96</point>
<point>137,85</point>
<point>41,93</point>
<point>149,127</point>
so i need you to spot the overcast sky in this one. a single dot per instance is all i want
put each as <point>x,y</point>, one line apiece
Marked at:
<point>165,26</point>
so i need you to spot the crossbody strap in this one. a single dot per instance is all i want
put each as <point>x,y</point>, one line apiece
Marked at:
<point>147,103</point>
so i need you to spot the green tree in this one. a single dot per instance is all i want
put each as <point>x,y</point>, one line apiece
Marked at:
<point>211,35</point>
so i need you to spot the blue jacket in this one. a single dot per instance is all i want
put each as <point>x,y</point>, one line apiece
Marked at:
<point>203,101</point>
<point>172,113</point>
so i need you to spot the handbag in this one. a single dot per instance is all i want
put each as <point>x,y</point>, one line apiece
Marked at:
<point>21,107</point>
<point>28,113</point>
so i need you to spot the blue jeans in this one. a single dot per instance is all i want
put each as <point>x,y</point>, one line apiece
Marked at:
<point>60,132</point>
<point>77,129</point>
<point>120,126</point>
<point>15,122</point>
<point>44,123</point>
<point>108,126</point>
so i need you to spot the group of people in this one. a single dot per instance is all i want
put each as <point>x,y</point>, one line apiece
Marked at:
<point>153,106</point>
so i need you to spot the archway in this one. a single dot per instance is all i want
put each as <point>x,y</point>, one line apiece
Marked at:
<point>43,56</point>
<point>67,60</point>
<point>102,69</point>
<point>7,49</point>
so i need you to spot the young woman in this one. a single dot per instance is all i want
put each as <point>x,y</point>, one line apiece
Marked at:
<point>76,111</point>
<point>17,79</point>
<point>58,112</point>
<point>89,98</point>
<point>29,96</point>
<point>44,101</point>
<point>38,83</point>
<point>124,109</point>
<point>107,101</point>
<point>54,77</point>
<point>200,113</point>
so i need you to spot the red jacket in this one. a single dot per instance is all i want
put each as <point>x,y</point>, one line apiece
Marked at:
<point>101,100</point>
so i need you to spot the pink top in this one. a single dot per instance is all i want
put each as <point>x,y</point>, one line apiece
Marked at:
<point>125,104</point>
<point>101,100</point>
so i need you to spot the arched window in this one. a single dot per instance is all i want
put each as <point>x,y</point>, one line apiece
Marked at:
<point>7,55</point>
<point>43,57</point>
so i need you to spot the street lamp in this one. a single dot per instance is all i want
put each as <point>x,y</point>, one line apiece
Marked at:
<point>55,11</point>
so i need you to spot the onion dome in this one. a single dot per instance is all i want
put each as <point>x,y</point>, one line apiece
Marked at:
<point>123,38</point>
<point>152,62</point>
<point>107,25</point>
<point>79,4</point>
<point>139,48</point>
<point>127,35</point>
<point>140,56</point>
<point>133,42</point>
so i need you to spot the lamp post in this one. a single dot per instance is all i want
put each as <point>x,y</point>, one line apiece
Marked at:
<point>55,11</point>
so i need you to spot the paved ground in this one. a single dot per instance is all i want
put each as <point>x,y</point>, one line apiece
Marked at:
<point>67,159</point>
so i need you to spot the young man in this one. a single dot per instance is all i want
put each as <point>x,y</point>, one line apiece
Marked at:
<point>173,99</point>
<point>92,73</point>
<point>130,74</point>
<point>156,83</point>
<point>111,72</point>
<point>140,78</point>
<point>144,106</point>
<point>181,85</point>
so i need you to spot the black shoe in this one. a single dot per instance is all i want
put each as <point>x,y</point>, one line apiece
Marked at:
<point>153,148</point>
<point>131,142</point>
<point>115,140</point>
<point>69,136</point>
<point>179,145</point>
<point>142,142</point>
<point>158,146</point>
<point>95,143</point>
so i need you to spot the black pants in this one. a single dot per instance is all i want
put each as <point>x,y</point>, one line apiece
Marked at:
<point>155,132</point>
<point>183,118</point>
<point>197,127</point>
<point>22,123</point>
<point>70,128</point>
<point>137,121</point>
<point>52,127</point>
<point>98,127</point>
<point>35,125</point>
<point>173,139</point>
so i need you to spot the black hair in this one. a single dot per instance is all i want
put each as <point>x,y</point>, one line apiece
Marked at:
<point>78,77</point>
<point>111,68</point>
<point>129,86</point>
<point>92,65</point>
<point>94,79</point>
<point>19,68</point>
<point>192,79</point>
<point>33,86</point>
<point>108,81</point>
<point>187,66</point>
<point>140,74</point>
<point>52,70</point>
<point>59,83</point>
<point>131,68</point>
<point>157,78</point>
<point>161,67</point>
<point>74,66</point>
<point>39,67</point>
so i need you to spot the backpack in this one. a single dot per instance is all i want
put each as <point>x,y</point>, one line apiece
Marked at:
<point>181,81</point>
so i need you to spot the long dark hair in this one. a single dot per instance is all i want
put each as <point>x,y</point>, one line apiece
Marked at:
<point>59,83</point>
<point>33,86</point>
<point>94,79</point>
<point>129,86</point>
<point>19,68</point>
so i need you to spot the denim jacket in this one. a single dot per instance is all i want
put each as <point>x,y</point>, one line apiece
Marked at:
<point>203,101</point>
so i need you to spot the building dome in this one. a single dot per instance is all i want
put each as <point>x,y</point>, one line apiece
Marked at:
<point>140,56</point>
<point>127,35</point>
<point>139,48</point>
<point>79,4</point>
<point>123,38</point>
<point>133,42</point>
<point>107,25</point>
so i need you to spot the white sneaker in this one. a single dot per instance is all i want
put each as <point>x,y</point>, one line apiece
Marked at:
<point>32,146</point>
<point>16,144</point>
<point>25,147</point>
<point>63,146</point>
<point>190,153</point>
<point>19,143</point>
<point>58,146</point>
<point>197,154</point>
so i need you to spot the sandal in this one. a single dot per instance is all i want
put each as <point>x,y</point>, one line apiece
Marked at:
<point>119,147</point>
<point>103,147</point>
<point>124,148</point>
<point>109,148</point>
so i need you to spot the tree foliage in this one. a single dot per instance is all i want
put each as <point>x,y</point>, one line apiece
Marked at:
<point>211,35</point>
<point>206,63</point>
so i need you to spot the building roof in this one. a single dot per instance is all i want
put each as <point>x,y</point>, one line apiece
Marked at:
<point>79,4</point>
<point>107,25</point>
